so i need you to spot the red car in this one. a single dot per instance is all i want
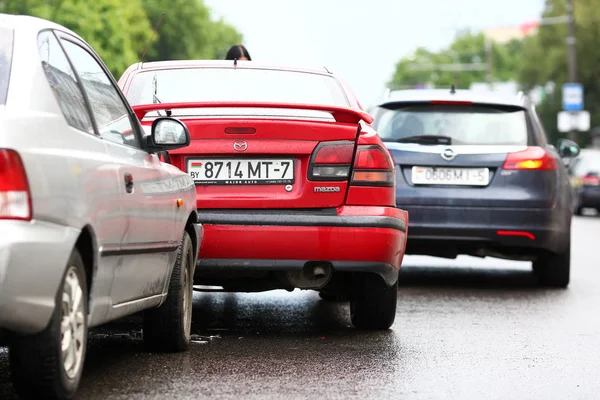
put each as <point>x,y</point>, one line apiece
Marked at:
<point>294,187</point>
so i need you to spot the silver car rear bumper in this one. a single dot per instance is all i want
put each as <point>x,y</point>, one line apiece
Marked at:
<point>33,257</point>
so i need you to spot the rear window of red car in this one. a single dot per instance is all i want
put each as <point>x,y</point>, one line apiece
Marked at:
<point>230,84</point>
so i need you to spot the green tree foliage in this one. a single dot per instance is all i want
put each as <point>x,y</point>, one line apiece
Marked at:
<point>187,31</point>
<point>120,30</point>
<point>467,48</point>
<point>546,61</point>
<point>116,30</point>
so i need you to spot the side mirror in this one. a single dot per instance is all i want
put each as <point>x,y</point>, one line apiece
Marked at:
<point>567,148</point>
<point>167,134</point>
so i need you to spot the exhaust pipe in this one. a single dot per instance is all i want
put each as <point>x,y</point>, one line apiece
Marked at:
<point>314,275</point>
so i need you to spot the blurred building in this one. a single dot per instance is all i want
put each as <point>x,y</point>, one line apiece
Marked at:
<point>504,34</point>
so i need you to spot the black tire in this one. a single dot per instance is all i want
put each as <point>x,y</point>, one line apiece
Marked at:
<point>373,304</point>
<point>36,362</point>
<point>552,269</point>
<point>168,328</point>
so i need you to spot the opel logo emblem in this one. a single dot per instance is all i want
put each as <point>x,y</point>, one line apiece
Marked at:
<point>448,154</point>
<point>240,145</point>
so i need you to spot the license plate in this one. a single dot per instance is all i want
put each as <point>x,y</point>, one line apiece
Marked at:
<point>450,176</point>
<point>241,171</point>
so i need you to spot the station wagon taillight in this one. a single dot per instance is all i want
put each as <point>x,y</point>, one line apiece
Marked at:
<point>532,158</point>
<point>331,161</point>
<point>15,199</point>
<point>373,166</point>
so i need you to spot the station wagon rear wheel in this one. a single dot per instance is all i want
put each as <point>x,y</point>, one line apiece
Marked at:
<point>373,304</point>
<point>49,364</point>
<point>168,327</point>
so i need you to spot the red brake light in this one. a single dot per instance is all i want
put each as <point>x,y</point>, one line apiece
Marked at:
<point>15,200</point>
<point>240,131</point>
<point>526,234</point>
<point>591,180</point>
<point>532,158</point>
<point>373,166</point>
<point>331,161</point>
<point>335,154</point>
<point>450,102</point>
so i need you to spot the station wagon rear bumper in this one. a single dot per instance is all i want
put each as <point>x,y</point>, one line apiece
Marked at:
<point>436,228</point>
<point>352,239</point>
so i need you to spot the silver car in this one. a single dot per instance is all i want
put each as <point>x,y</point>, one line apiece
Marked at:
<point>93,227</point>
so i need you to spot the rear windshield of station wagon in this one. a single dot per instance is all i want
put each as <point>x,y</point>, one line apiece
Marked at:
<point>464,124</point>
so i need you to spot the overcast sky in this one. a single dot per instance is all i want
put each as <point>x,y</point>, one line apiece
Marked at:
<point>361,40</point>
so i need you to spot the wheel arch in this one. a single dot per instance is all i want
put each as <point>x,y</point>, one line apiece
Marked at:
<point>189,228</point>
<point>86,246</point>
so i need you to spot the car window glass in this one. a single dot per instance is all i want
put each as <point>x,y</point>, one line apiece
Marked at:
<point>466,125</point>
<point>230,84</point>
<point>111,114</point>
<point>63,82</point>
<point>6,49</point>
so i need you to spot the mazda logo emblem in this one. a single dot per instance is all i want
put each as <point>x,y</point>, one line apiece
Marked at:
<point>240,145</point>
<point>448,154</point>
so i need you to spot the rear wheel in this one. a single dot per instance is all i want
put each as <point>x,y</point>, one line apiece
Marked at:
<point>553,270</point>
<point>168,327</point>
<point>49,365</point>
<point>373,304</point>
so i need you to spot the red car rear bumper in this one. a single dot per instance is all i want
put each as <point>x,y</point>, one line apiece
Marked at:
<point>352,238</point>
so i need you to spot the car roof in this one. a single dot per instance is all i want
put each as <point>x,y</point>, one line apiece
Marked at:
<point>26,22</point>
<point>425,95</point>
<point>229,64</point>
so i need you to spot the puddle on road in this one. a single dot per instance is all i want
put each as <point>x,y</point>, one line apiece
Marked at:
<point>198,339</point>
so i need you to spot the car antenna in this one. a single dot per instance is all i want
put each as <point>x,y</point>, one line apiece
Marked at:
<point>452,89</point>
<point>235,62</point>
<point>153,33</point>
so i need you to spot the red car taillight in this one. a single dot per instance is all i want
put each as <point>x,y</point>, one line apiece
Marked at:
<point>373,166</point>
<point>591,180</point>
<point>331,161</point>
<point>532,158</point>
<point>15,198</point>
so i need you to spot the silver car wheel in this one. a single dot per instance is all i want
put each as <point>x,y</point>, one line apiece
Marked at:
<point>72,326</point>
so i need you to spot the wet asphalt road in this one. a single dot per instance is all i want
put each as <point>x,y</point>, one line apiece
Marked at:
<point>465,329</point>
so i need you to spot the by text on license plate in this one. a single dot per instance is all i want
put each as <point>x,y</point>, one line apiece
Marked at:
<point>450,176</point>
<point>212,171</point>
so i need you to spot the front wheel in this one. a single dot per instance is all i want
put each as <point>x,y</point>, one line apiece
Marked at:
<point>373,304</point>
<point>168,327</point>
<point>49,364</point>
<point>553,270</point>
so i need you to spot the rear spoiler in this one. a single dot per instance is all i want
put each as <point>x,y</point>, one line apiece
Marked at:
<point>340,114</point>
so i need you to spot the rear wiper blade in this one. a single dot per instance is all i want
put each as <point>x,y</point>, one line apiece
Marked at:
<point>426,139</point>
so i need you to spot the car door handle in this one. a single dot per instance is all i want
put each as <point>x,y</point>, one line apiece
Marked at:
<point>128,182</point>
